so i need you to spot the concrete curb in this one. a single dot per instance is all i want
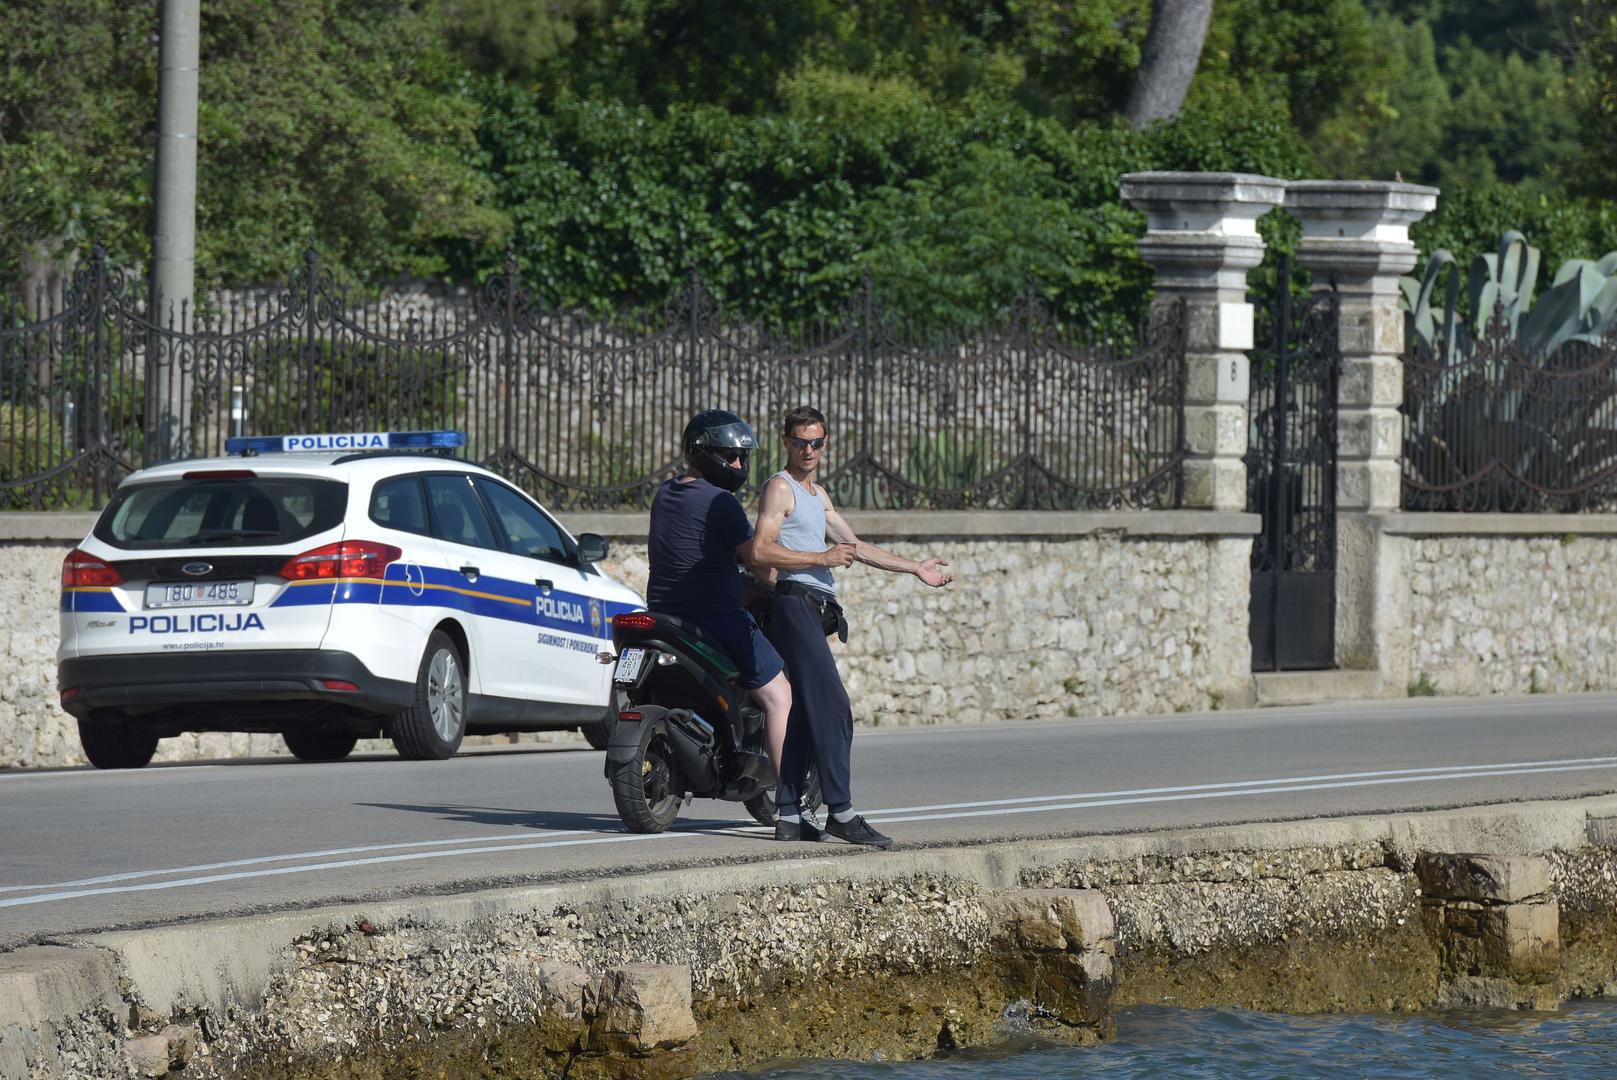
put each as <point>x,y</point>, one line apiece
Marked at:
<point>229,961</point>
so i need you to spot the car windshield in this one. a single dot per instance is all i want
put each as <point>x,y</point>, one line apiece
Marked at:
<point>224,512</point>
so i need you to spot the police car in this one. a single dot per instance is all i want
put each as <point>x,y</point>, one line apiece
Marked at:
<point>331,588</point>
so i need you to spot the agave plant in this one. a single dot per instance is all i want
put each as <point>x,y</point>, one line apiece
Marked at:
<point>1502,413</point>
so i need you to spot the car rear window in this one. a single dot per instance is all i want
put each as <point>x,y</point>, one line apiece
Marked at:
<point>234,512</point>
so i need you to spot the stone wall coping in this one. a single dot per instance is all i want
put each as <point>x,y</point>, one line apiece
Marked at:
<point>72,527</point>
<point>1354,198</point>
<point>63,525</point>
<point>916,524</point>
<point>1456,524</point>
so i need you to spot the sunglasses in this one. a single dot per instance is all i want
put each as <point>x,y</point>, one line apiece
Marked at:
<point>806,444</point>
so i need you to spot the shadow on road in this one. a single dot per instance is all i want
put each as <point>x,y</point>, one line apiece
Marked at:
<point>553,820</point>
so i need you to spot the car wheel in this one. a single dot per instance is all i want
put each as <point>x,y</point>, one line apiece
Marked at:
<point>599,734</point>
<point>431,729</point>
<point>762,807</point>
<point>319,745</point>
<point>112,744</point>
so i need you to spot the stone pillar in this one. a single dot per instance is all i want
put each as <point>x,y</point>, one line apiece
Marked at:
<point>1497,926</point>
<point>1201,239</point>
<point>1356,239</point>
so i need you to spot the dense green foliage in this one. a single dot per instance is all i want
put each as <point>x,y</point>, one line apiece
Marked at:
<point>955,152</point>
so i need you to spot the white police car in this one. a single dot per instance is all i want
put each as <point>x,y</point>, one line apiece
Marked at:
<point>332,587</point>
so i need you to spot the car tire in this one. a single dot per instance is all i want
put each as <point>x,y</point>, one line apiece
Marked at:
<point>319,745</point>
<point>599,733</point>
<point>112,744</point>
<point>431,729</point>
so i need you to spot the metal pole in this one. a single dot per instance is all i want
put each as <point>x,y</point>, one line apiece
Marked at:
<point>174,226</point>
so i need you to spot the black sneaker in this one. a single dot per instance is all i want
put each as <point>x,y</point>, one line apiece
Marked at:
<point>857,831</point>
<point>806,829</point>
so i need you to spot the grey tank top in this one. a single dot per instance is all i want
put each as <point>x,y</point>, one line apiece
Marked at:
<point>804,530</point>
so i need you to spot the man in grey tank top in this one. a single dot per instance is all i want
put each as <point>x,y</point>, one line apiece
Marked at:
<point>795,519</point>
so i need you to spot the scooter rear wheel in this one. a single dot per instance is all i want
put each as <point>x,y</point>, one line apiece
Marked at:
<point>762,807</point>
<point>643,789</point>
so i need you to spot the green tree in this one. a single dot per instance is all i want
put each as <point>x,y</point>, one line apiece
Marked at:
<point>77,82</point>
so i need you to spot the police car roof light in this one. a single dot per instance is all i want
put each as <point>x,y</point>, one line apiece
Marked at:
<point>325,442</point>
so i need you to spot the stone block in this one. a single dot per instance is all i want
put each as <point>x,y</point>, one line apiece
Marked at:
<point>1487,879</point>
<point>1369,434</point>
<point>1216,430</point>
<point>564,989</point>
<point>1371,382</point>
<point>644,1007</point>
<point>1376,484</point>
<point>1215,484</point>
<point>1054,920</point>
<point>148,1054</point>
<point>1218,379</point>
<point>1520,940</point>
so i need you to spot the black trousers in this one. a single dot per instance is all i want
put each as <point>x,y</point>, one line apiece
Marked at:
<point>821,727</point>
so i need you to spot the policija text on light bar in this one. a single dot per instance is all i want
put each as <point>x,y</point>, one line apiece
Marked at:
<point>328,441</point>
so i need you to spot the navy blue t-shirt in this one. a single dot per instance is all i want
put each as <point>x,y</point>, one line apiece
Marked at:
<point>695,530</point>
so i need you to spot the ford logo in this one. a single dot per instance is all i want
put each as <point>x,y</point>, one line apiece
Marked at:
<point>197,569</point>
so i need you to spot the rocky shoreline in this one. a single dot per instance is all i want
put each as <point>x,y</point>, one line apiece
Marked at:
<point>896,955</point>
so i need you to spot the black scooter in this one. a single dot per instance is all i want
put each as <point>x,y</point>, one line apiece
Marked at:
<point>684,727</point>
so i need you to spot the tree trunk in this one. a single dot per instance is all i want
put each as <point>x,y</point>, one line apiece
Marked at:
<point>1173,48</point>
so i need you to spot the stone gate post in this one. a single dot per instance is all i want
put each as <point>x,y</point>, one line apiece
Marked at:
<point>1201,239</point>
<point>1356,238</point>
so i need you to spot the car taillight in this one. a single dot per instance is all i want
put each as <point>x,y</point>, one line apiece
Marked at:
<point>344,559</point>
<point>633,621</point>
<point>81,570</point>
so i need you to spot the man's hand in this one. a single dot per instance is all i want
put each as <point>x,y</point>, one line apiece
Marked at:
<point>929,571</point>
<point>839,555</point>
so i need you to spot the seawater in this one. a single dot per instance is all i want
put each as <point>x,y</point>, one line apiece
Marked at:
<point>1578,1041</point>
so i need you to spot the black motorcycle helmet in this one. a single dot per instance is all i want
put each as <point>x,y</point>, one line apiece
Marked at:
<point>710,440</point>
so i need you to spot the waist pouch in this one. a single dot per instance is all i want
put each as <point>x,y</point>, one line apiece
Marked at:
<point>832,621</point>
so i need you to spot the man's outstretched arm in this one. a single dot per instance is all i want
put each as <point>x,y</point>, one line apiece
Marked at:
<point>929,570</point>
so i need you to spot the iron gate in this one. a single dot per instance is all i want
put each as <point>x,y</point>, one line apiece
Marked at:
<point>1291,481</point>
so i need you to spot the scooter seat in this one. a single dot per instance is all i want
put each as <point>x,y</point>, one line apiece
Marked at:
<point>708,647</point>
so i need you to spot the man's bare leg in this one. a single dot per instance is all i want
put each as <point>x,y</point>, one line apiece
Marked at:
<point>775,697</point>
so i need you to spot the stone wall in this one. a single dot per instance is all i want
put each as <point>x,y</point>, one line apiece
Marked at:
<point>1036,628</point>
<point>1051,615</point>
<point>1511,604</point>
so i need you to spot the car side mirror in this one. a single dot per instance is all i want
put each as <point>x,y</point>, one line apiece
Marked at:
<point>592,548</point>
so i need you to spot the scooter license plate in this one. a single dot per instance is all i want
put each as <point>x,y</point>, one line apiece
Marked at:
<point>630,662</point>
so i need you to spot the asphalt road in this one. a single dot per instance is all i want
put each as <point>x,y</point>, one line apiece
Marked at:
<point>84,850</point>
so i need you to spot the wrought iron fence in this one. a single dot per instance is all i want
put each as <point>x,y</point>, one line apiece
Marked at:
<point>583,413</point>
<point>1495,427</point>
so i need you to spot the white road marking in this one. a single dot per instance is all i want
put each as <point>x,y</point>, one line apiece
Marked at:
<point>990,808</point>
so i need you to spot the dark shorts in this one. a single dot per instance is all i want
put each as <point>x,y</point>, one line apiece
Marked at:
<point>746,646</point>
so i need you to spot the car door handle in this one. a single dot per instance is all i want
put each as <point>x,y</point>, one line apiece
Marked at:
<point>470,571</point>
<point>545,584</point>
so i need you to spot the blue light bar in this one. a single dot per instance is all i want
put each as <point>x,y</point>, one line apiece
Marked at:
<point>327,442</point>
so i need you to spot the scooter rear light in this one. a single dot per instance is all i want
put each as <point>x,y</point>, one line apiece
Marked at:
<point>630,717</point>
<point>81,570</point>
<point>637,620</point>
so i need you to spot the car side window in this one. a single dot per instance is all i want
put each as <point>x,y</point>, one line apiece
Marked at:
<point>397,503</point>
<point>526,529</point>
<point>457,515</point>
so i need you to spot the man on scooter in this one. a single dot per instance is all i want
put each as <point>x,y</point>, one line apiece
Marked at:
<point>795,518</point>
<point>698,532</point>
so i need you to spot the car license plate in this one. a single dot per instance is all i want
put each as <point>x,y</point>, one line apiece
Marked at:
<point>629,663</point>
<point>167,594</point>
